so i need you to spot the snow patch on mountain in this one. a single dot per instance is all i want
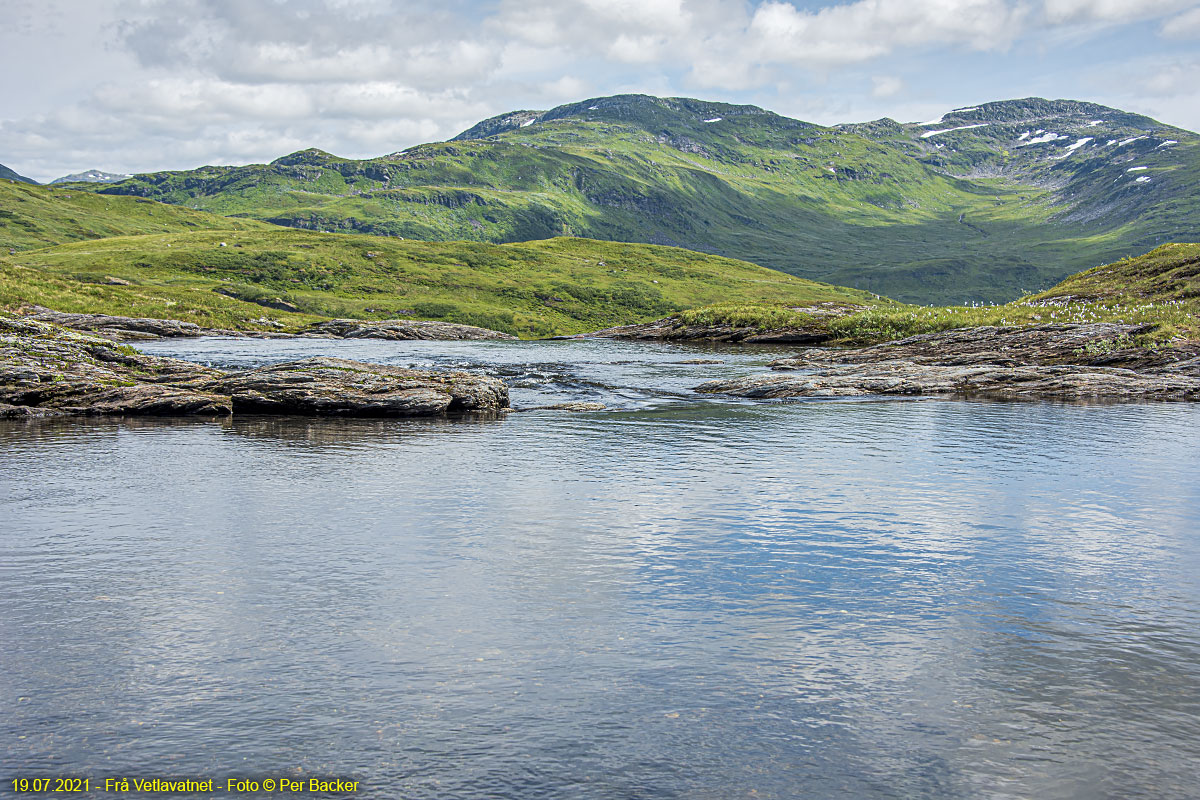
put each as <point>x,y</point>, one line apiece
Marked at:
<point>927,134</point>
<point>91,176</point>
<point>1071,148</point>
<point>1045,137</point>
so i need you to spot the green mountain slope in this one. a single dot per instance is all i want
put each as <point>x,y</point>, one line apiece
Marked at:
<point>1169,274</point>
<point>987,204</point>
<point>1160,290</point>
<point>10,175</point>
<point>38,216</point>
<point>541,288</point>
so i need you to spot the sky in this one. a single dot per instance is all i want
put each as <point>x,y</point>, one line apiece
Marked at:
<point>142,85</point>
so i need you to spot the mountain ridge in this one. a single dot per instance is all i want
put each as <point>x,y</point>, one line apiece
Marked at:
<point>12,175</point>
<point>91,176</point>
<point>982,204</point>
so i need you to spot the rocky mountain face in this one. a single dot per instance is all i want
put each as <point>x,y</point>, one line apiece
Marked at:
<point>8,174</point>
<point>983,203</point>
<point>91,176</point>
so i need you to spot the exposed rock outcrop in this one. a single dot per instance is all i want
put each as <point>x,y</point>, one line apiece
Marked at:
<point>670,329</point>
<point>353,388</point>
<point>1075,362</point>
<point>123,329</point>
<point>1066,382</point>
<point>1102,342</point>
<point>120,328</point>
<point>575,405</point>
<point>46,370</point>
<point>674,329</point>
<point>402,329</point>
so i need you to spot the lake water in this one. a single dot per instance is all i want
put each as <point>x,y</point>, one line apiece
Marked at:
<point>680,597</point>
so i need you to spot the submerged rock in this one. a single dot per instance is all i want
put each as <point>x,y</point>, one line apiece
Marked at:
<point>576,405</point>
<point>46,370</point>
<point>402,329</point>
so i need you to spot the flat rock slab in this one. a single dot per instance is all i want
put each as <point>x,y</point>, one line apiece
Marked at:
<point>118,327</point>
<point>1099,343</point>
<point>1064,382</point>
<point>577,405</point>
<point>59,372</point>
<point>337,386</point>
<point>402,329</point>
<point>141,329</point>
<point>46,370</point>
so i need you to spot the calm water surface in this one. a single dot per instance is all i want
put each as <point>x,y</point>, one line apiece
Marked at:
<point>676,598</point>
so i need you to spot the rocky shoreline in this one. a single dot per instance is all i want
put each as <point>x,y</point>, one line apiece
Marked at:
<point>50,370</point>
<point>47,370</point>
<point>1065,362</point>
<point>673,329</point>
<point>129,329</point>
<point>669,330</point>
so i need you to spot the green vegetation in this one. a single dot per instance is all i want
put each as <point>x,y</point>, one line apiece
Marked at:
<point>740,315</point>
<point>1161,289</point>
<point>982,210</point>
<point>1172,272</point>
<point>39,216</point>
<point>276,276</point>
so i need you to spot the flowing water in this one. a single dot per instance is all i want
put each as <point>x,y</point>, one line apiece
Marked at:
<point>679,597</point>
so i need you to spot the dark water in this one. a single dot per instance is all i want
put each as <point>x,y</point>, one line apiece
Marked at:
<point>677,599</point>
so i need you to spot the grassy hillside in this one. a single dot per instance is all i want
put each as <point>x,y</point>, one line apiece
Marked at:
<point>986,204</point>
<point>1169,274</point>
<point>541,288</point>
<point>1161,288</point>
<point>39,216</point>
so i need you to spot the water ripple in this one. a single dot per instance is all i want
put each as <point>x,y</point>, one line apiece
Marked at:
<point>682,598</point>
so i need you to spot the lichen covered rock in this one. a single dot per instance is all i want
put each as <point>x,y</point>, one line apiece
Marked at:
<point>46,370</point>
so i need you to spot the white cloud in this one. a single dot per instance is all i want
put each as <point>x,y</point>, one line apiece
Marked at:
<point>1172,79</point>
<point>886,86</point>
<point>565,89</point>
<point>1184,26</point>
<point>870,28</point>
<point>172,80</point>
<point>657,15</point>
<point>1065,11</point>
